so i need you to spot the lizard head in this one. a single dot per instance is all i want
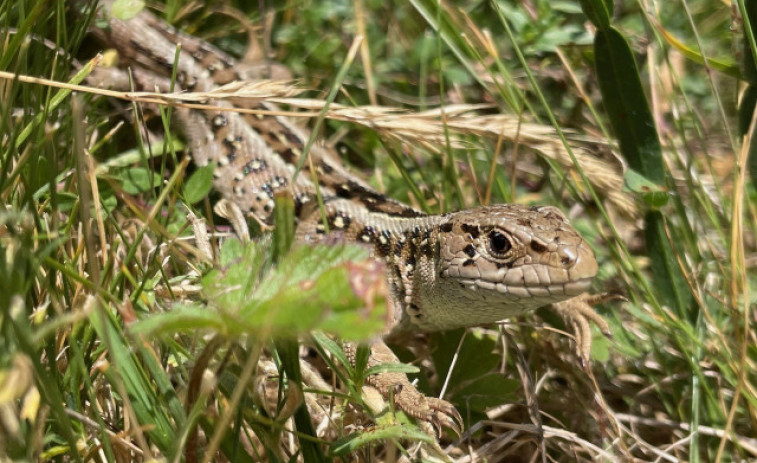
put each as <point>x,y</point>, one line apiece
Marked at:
<point>499,261</point>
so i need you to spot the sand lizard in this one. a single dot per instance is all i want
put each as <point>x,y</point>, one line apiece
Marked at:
<point>444,271</point>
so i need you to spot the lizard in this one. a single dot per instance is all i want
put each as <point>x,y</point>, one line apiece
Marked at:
<point>445,271</point>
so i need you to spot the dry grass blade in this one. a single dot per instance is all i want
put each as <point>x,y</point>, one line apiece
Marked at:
<point>425,129</point>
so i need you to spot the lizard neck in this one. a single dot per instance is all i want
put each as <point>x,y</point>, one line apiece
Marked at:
<point>409,247</point>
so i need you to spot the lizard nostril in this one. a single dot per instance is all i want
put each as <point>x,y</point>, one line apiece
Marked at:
<point>568,257</point>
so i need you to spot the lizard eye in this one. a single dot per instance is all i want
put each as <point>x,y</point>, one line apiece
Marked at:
<point>499,244</point>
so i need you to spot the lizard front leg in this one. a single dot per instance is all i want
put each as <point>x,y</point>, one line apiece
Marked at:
<point>406,397</point>
<point>391,384</point>
<point>578,314</point>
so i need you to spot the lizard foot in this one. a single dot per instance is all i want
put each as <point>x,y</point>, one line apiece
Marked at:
<point>578,312</point>
<point>437,412</point>
<point>396,387</point>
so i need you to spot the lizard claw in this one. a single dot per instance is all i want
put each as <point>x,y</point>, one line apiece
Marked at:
<point>578,312</point>
<point>446,415</point>
<point>437,412</point>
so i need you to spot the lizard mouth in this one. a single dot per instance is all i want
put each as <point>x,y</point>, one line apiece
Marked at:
<point>574,288</point>
<point>545,293</point>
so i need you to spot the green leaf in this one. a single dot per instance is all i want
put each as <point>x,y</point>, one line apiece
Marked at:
<point>333,348</point>
<point>283,220</point>
<point>229,288</point>
<point>199,184</point>
<point>288,351</point>
<point>337,289</point>
<point>653,194</point>
<point>138,180</point>
<point>474,382</point>
<point>725,65</point>
<point>232,250</point>
<point>360,439</point>
<point>392,368</point>
<point>145,403</point>
<point>600,349</point>
<point>746,108</point>
<point>746,112</point>
<point>486,392</point>
<point>568,7</point>
<point>599,12</point>
<point>670,284</point>
<point>126,9</point>
<point>750,34</point>
<point>362,353</point>
<point>474,359</point>
<point>319,288</point>
<point>181,317</point>
<point>626,104</point>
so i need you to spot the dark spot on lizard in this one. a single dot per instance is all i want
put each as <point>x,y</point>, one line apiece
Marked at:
<point>255,165</point>
<point>343,190</point>
<point>426,243</point>
<point>469,262</point>
<point>288,156</point>
<point>339,221</point>
<point>278,182</point>
<point>555,215</point>
<point>373,201</point>
<point>473,230</point>
<point>293,138</point>
<point>412,250</point>
<point>384,243</point>
<point>187,81</point>
<point>351,189</point>
<point>407,212</point>
<point>232,144</point>
<point>327,169</point>
<point>470,250</point>
<point>299,203</point>
<point>504,264</point>
<point>398,248</point>
<point>367,234</point>
<point>139,48</point>
<point>538,247</point>
<point>446,227</point>
<point>267,189</point>
<point>415,308</point>
<point>395,288</point>
<point>566,261</point>
<point>220,120</point>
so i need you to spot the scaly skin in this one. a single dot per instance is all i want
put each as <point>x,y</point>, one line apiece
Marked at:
<point>445,271</point>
